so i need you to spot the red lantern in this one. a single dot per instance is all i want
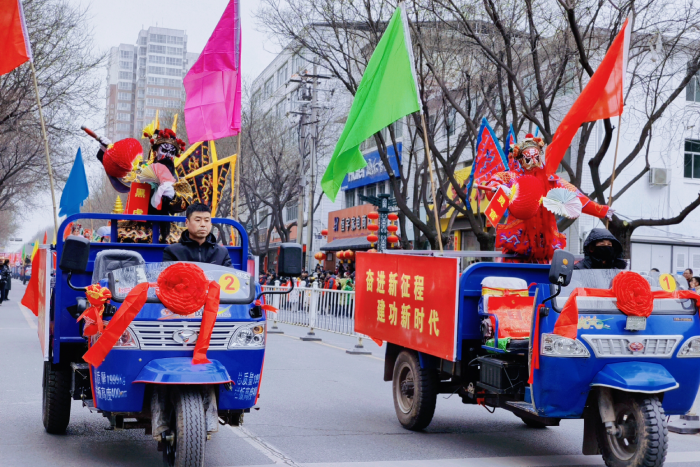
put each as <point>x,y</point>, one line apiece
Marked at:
<point>525,198</point>
<point>393,216</point>
<point>341,255</point>
<point>320,256</point>
<point>372,238</point>
<point>350,254</point>
<point>374,215</point>
<point>324,232</point>
<point>392,228</point>
<point>392,239</point>
<point>373,227</point>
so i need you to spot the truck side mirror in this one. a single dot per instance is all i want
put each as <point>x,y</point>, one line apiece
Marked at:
<point>562,267</point>
<point>289,259</point>
<point>76,252</point>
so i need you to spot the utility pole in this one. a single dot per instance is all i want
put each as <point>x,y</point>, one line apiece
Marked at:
<point>302,182</point>
<point>312,169</point>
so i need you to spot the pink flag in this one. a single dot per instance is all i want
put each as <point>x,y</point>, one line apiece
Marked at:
<point>213,84</point>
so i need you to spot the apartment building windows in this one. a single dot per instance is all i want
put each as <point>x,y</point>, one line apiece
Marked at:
<point>124,126</point>
<point>174,51</point>
<point>268,88</point>
<point>691,168</point>
<point>123,85</point>
<point>692,90</point>
<point>157,49</point>
<point>291,213</point>
<point>123,106</point>
<point>349,198</point>
<point>124,96</point>
<point>123,116</point>
<point>125,54</point>
<point>157,70</point>
<point>175,40</point>
<point>124,65</point>
<point>173,61</point>
<point>173,71</point>
<point>126,75</point>
<point>159,38</point>
<point>282,76</point>
<point>156,59</point>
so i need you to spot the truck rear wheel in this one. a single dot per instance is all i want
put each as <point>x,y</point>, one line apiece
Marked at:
<point>56,400</point>
<point>643,437</point>
<point>415,391</point>
<point>183,444</point>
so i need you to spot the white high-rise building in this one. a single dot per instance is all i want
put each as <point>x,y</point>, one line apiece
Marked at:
<point>146,77</point>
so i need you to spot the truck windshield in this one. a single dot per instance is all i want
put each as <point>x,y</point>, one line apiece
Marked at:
<point>602,279</point>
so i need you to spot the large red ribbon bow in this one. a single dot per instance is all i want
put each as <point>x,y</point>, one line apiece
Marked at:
<point>183,289</point>
<point>634,298</point>
<point>97,296</point>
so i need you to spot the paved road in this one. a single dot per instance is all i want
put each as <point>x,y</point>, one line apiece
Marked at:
<point>319,407</point>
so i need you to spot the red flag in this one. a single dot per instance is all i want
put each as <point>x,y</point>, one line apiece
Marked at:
<point>14,40</point>
<point>32,294</point>
<point>46,237</point>
<point>601,98</point>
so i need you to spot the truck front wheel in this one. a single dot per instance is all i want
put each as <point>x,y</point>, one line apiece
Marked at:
<point>642,436</point>
<point>415,391</point>
<point>56,400</point>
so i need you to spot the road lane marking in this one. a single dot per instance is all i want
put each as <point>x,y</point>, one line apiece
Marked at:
<point>331,346</point>
<point>272,453</point>
<point>515,461</point>
<point>28,315</point>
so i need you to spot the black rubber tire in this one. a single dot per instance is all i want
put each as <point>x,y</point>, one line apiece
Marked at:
<point>56,400</point>
<point>650,434</point>
<point>190,430</point>
<point>533,423</point>
<point>415,412</point>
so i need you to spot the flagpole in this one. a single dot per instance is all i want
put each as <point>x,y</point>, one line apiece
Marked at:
<point>432,182</point>
<point>612,177</point>
<point>238,173</point>
<point>46,146</point>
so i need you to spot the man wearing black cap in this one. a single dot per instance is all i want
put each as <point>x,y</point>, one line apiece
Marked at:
<point>601,251</point>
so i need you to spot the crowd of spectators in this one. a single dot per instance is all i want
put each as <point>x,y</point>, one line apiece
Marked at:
<point>342,278</point>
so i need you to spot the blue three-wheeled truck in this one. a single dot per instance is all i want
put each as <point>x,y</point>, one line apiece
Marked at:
<point>148,380</point>
<point>622,374</point>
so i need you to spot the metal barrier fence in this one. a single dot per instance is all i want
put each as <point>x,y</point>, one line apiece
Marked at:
<point>315,308</point>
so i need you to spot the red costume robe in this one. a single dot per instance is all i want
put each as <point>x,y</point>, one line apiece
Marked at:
<point>536,238</point>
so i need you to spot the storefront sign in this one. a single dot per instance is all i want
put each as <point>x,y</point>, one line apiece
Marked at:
<point>408,300</point>
<point>349,223</point>
<point>374,171</point>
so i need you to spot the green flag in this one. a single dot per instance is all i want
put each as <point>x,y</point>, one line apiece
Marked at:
<point>387,92</point>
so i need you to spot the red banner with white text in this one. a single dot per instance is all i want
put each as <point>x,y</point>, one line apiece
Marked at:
<point>408,300</point>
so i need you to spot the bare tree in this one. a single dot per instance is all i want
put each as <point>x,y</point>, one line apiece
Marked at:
<point>65,66</point>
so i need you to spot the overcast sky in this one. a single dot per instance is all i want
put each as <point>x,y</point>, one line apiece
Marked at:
<point>117,22</point>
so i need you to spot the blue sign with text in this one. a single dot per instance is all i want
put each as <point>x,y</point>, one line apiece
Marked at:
<point>374,171</point>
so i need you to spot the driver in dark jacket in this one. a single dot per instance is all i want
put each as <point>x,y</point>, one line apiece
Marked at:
<point>601,251</point>
<point>197,243</point>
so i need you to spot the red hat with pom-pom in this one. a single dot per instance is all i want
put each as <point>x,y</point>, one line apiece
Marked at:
<point>119,158</point>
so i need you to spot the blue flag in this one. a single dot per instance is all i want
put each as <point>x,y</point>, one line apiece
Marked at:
<point>510,139</point>
<point>76,190</point>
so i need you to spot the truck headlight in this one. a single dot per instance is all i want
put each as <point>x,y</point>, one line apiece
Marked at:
<point>127,340</point>
<point>554,345</point>
<point>691,348</point>
<point>249,335</point>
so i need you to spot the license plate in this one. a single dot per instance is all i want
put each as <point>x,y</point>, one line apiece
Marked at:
<point>636,323</point>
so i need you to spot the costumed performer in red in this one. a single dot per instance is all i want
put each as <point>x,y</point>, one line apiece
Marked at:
<point>530,231</point>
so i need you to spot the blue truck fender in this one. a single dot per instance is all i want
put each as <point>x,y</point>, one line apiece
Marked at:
<point>181,370</point>
<point>642,377</point>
